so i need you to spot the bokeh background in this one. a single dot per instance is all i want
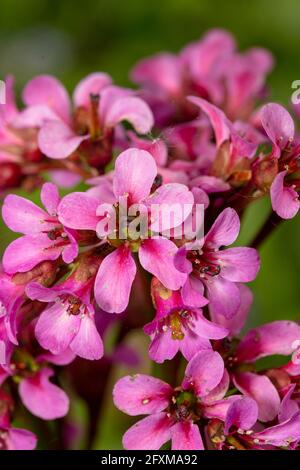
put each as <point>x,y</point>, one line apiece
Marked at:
<point>71,39</point>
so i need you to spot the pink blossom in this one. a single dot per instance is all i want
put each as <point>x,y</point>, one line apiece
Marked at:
<point>173,414</point>
<point>178,327</point>
<point>98,108</point>
<point>214,273</point>
<point>68,320</point>
<point>44,236</point>
<point>134,175</point>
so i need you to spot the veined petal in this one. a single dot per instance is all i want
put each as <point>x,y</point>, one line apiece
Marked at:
<point>56,328</point>
<point>170,205</point>
<point>57,140</point>
<point>50,198</point>
<point>238,264</point>
<point>186,436</point>
<point>92,84</point>
<point>224,297</point>
<point>41,397</point>
<point>266,340</point>
<point>261,389</point>
<point>87,342</point>
<point>78,211</point>
<point>135,171</point>
<point>285,200</point>
<point>148,434</point>
<point>278,124</point>
<point>242,414</point>
<point>141,394</point>
<point>114,280</point>
<point>26,252</point>
<point>204,372</point>
<point>23,216</point>
<point>47,90</point>
<point>157,257</point>
<point>131,109</point>
<point>225,229</point>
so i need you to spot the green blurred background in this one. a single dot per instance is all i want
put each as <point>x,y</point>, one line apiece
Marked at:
<point>71,38</point>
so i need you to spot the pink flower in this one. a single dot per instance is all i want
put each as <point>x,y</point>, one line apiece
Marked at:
<point>174,413</point>
<point>270,339</point>
<point>278,125</point>
<point>178,327</point>
<point>12,438</point>
<point>40,396</point>
<point>98,108</point>
<point>241,418</point>
<point>280,128</point>
<point>45,238</point>
<point>213,272</point>
<point>134,175</point>
<point>68,320</point>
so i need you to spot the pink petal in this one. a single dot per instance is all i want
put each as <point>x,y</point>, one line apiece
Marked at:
<point>135,171</point>
<point>70,251</point>
<point>78,211</point>
<point>192,344</point>
<point>28,251</point>
<point>50,198</point>
<point>56,328</point>
<point>288,406</point>
<point>64,178</point>
<point>261,389</point>
<point>162,71</point>
<point>218,393</point>
<point>63,359</point>
<point>207,329</point>
<point>236,323</point>
<point>42,398</point>
<point>21,439</point>
<point>157,257</point>
<point>169,205</point>
<point>141,394</point>
<point>157,147</point>
<point>238,264</point>
<point>87,342</point>
<point>193,293</point>
<point>163,347</point>
<point>34,116</point>
<point>282,434</point>
<point>225,229</point>
<point>57,140</point>
<point>47,90</point>
<point>186,436</point>
<point>272,338</point>
<point>92,84</point>
<point>285,200</point>
<point>278,124</point>
<point>204,372</point>
<point>22,215</point>
<point>242,414</point>
<point>217,118</point>
<point>224,297</point>
<point>133,110</point>
<point>114,280</point>
<point>220,408</point>
<point>36,291</point>
<point>148,434</point>
<point>210,184</point>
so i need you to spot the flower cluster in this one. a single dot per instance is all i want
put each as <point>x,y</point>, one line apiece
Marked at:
<point>166,173</point>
